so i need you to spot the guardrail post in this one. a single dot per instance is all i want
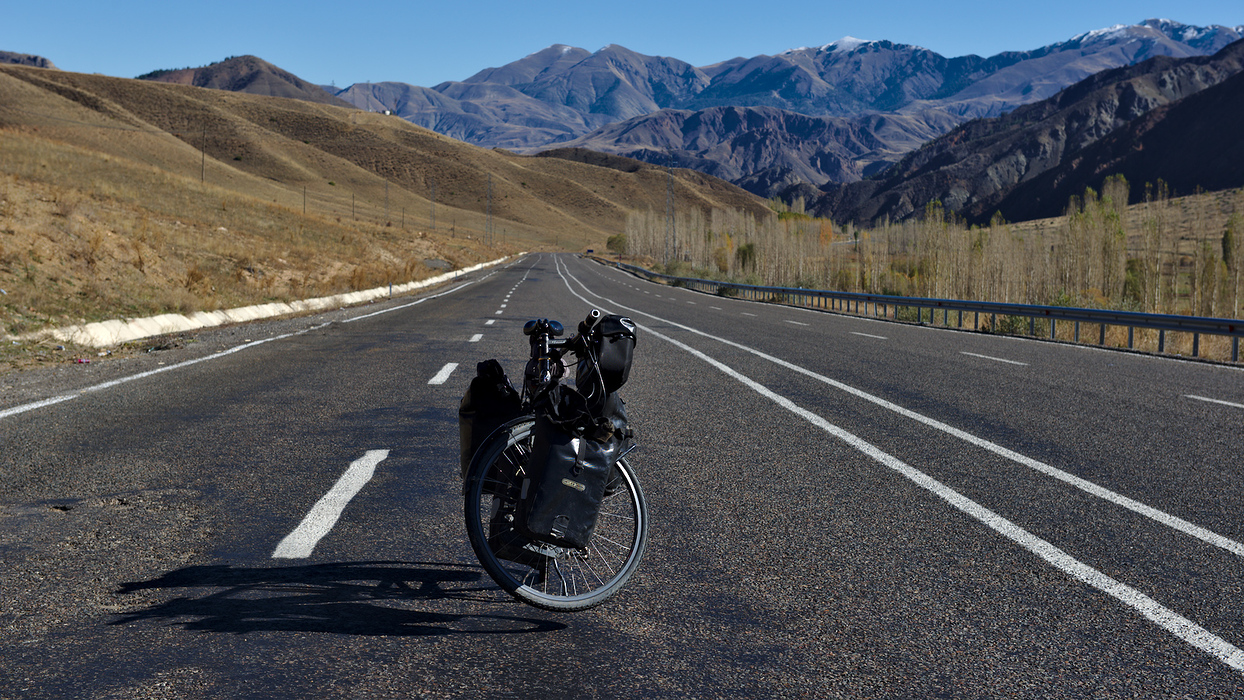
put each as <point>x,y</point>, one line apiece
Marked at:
<point>1196,344</point>
<point>1131,334</point>
<point>961,318</point>
<point>1053,325</point>
<point>1032,325</point>
<point>1162,340</point>
<point>1235,349</point>
<point>1077,331</point>
<point>1101,339</point>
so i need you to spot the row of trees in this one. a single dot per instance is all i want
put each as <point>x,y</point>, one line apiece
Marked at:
<point>1162,256</point>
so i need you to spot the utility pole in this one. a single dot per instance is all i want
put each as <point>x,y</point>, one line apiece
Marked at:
<point>669,210</point>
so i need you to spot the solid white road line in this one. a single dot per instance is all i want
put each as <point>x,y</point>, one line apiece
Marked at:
<point>141,375</point>
<point>418,301</point>
<point>870,335</point>
<point>1178,625</point>
<point>443,375</point>
<point>995,359</point>
<point>324,514</point>
<point>1183,628</point>
<point>1186,396</point>
<point>1172,521</point>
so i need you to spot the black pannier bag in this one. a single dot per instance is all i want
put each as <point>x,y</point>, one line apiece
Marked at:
<point>609,363</point>
<point>572,459</point>
<point>490,402</point>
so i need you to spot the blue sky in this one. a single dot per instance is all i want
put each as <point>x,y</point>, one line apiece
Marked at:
<point>426,43</point>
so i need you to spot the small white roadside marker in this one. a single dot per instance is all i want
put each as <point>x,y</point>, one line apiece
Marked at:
<point>443,375</point>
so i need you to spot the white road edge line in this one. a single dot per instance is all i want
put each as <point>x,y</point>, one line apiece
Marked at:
<point>1172,521</point>
<point>1217,401</point>
<point>1164,617</point>
<point>443,375</point>
<point>324,514</point>
<point>142,375</point>
<point>995,359</point>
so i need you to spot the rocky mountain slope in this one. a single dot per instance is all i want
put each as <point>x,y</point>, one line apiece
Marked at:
<point>247,74</point>
<point>25,59</point>
<point>567,96</point>
<point>1026,163</point>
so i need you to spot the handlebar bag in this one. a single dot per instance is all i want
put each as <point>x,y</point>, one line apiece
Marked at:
<point>490,402</point>
<point>566,482</point>
<point>612,351</point>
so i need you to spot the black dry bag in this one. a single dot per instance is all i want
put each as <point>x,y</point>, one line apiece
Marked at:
<point>611,347</point>
<point>489,403</point>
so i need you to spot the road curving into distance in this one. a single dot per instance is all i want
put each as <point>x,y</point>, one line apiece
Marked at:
<point>841,507</point>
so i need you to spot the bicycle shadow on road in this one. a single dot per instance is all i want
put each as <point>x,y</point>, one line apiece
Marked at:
<point>367,598</point>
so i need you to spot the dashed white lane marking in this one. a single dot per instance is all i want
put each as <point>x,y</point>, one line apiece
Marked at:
<point>869,335</point>
<point>443,375</point>
<point>476,338</point>
<point>715,307</point>
<point>1224,403</point>
<point>490,322</point>
<point>691,302</point>
<point>324,514</point>
<point>797,323</point>
<point>504,305</point>
<point>747,314</point>
<point>995,359</point>
<point>498,313</point>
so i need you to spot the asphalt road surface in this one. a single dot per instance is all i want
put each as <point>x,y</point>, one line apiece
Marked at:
<point>840,508</point>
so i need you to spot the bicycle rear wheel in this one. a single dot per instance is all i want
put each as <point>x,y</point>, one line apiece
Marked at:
<point>549,577</point>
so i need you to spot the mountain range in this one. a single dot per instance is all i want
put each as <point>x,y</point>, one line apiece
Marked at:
<point>1175,120</point>
<point>834,113</point>
<point>860,130</point>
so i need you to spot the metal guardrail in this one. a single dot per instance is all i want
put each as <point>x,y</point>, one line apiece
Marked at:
<point>850,302</point>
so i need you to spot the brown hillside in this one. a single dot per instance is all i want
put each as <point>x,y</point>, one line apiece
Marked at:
<point>126,198</point>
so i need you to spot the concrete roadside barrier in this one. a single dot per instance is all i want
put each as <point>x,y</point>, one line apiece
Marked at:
<point>106,333</point>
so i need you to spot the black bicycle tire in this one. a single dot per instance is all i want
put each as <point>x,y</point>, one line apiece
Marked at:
<point>504,439</point>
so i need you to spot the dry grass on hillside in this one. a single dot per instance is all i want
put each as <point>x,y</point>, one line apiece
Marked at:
<point>126,198</point>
